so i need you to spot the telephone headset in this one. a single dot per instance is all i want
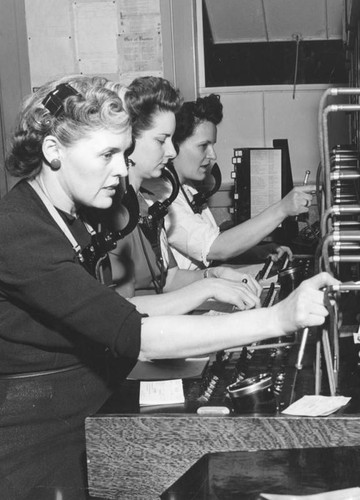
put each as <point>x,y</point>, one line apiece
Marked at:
<point>200,198</point>
<point>159,209</point>
<point>104,241</point>
<point>54,101</point>
<point>152,224</point>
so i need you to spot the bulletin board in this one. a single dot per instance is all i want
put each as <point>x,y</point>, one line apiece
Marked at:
<point>119,39</point>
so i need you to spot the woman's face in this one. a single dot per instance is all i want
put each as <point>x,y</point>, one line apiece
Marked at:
<point>197,154</point>
<point>91,168</point>
<point>154,147</point>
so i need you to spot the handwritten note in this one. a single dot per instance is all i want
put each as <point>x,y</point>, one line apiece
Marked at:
<point>163,392</point>
<point>316,406</point>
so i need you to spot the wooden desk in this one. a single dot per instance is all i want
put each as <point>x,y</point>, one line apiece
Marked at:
<point>136,456</point>
<point>139,456</point>
<point>245,475</point>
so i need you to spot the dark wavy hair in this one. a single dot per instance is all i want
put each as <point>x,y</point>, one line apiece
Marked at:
<point>146,96</point>
<point>97,106</point>
<point>192,113</point>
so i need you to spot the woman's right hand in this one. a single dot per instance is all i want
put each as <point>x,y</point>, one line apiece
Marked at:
<point>238,275</point>
<point>232,292</point>
<point>298,200</point>
<point>304,307</point>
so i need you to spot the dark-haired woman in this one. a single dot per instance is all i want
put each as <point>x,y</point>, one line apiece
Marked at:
<point>195,238</point>
<point>152,103</point>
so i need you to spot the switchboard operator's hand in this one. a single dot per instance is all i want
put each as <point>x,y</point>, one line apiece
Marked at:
<point>298,200</point>
<point>234,293</point>
<point>304,306</point>
<point>280,251</point>
<point>229,273</point>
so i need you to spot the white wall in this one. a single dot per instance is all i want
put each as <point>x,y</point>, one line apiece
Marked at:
<point>253,117</point>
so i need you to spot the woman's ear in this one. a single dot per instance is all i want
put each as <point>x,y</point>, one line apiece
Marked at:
<point>50,149</point>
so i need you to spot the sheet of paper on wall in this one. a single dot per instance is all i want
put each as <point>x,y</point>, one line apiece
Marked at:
<point>163,392</point>
<point>50,40</point>
<point>139,41</point>
<point>138,7</point>
<point>96,37</point>
<point>316,406</point>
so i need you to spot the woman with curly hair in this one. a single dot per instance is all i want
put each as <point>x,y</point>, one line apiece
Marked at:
<point>65,336</point>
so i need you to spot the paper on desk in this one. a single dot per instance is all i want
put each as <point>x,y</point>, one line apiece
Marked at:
<point>163,392</point>
<point>316,406</point>
<point>347,494</point>
<point>169,369</point>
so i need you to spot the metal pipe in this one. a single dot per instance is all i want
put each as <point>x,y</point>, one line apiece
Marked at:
<point>332,109</point>
<point>331,92</point>
<point>337,210</point>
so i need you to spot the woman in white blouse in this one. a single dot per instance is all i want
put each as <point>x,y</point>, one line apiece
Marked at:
<point>195,238</point>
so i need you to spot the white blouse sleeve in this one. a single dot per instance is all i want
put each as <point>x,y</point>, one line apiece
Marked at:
<point>191,235</point>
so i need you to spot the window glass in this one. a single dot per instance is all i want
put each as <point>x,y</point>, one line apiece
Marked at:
<point>272,63</point>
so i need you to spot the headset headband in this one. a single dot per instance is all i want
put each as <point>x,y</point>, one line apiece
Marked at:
<point>54,101</point>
